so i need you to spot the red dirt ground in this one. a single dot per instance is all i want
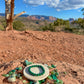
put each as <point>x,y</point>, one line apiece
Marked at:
<point>44,47</point>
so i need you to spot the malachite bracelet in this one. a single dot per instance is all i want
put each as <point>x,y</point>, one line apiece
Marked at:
<point>34,74</point>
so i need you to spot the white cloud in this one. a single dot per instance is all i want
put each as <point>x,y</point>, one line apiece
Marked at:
<point>70,4</point>
<point>58,4</point>
<point>34,2</point>
<point>51,3</point>
<point>79,10</point>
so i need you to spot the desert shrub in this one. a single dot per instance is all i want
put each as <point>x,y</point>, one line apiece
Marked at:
<point>69,29</point>
<point>79,22</point>
<point>50,27</point>
<point>79,31</point>
<point>18,25</point>
<point>73,30</point>
<point>37,22</point>
<point>1,27</point>
<point>3,22</point>
<point>39,28</point>
<point>82,24</point>
<point>57,22</point>
<point>45,28</point>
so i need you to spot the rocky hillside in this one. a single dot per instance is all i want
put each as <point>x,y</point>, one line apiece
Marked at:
<point>62,49</point>
<point>39,17</point>
<point>36,17</point>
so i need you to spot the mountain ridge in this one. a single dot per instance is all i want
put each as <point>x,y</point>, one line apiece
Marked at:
<point>36,17</point>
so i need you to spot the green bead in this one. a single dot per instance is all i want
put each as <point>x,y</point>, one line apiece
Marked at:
<point>26,62</point>
<point>54,77</point>
<point>49,67</point>
<point>30,63</point>
<point>13,71</point>
<point>65,72</point>
<point>60,81</point>
<point>53,72</point>
<point>42,81</point>
<point>20,77</point>
<point>19,68</point>
<point>5,75</point>
<point>53,66</point>
<point>56,73</point>
<point>24,81</point>
<point>56,70</point>
<point>10,73</point>
<point>49,77</point>
<point>31,82</point>
<point>57,81</point>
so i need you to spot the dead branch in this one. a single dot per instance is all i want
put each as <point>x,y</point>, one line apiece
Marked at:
<point>19,14</point>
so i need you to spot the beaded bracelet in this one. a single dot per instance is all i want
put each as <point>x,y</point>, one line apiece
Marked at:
<point>34,74</point>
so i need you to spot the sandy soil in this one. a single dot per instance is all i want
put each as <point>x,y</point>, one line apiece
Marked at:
<point>44,47</point>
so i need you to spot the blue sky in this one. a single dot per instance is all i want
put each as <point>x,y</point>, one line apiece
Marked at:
<point>58,8</point>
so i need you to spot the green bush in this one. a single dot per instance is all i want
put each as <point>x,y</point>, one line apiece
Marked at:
<point>72,30</point>
<point>18,25</point>
<point>1,27</point>
<point>50,27</point>
<point>80,22</point>
<point>68,29</point>
<point>3,22</point>
<point>37,22</point>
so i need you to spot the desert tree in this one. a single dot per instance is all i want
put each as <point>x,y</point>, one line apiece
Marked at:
<point>9,14</point>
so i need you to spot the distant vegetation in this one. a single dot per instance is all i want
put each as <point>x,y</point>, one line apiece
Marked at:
<point>76,26</point>
<point>22,23</point>
<point>17,25</point>
<point>28,24</point>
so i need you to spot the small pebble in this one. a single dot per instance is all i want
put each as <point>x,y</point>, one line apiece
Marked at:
<point>11,79</point>
<point>20,77</point>
<point>14,75</point>
<point>46,65</point>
